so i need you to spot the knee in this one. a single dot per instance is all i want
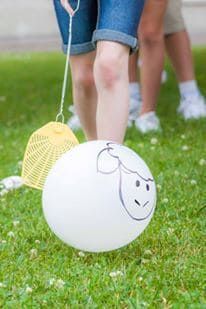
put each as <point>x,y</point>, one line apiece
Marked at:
<point>83,78</point>
<point>149,36</point>
<point>107,70</point>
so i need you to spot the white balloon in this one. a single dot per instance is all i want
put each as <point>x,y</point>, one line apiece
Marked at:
<point>99,196</point>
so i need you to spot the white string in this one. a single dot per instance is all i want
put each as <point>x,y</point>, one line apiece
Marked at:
<point>60,114</point>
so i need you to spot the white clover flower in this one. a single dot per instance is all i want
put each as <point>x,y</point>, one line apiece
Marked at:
<point>19,164</point>
<point>81,254</point>
<point>183,136</point>
<point>202,162</point>
<point>33,253</point>
<point>37,241</point>
<point>117,273</point>
<point>148,252</point>
<point>159,187</point>
<point>170,230</point>
<point>28,289</point>
<point>10,234</point>
<point>185,148</point>
<point>140,279</point>
<point>193,182</point>
<point>2,285</point>
<point>154,141</point>
<point>59,284</point>
<point>164,300</point>
<point>165,200</point>
<point>51,281</point>
<point>2,98</point>
<point>113,274</point>
<point>145,261</point>
<point>3,192</point>
<point>15,222</point>
<point>3,241</point>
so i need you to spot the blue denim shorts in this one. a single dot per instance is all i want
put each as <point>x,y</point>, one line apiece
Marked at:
<point>100,20</point>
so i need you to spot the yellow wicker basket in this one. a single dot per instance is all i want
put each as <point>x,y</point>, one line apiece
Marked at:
<point>45,147</point>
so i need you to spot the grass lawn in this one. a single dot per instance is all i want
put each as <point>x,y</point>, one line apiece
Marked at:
<point>164,268</point>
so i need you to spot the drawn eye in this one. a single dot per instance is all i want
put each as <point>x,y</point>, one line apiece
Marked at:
<point>137,183</point>
<point>147,187</point>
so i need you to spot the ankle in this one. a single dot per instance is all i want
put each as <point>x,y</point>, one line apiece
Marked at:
<point>146,111</point>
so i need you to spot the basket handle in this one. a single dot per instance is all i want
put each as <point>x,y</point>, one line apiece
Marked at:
<point>60,114</point>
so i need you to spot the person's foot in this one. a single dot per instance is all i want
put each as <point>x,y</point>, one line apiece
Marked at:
<point>74,122</point>
<point>134,108</point>
<point>148,122</point>
<point>193,107</point>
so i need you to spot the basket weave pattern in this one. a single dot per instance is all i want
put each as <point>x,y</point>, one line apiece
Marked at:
<point>45,147</point>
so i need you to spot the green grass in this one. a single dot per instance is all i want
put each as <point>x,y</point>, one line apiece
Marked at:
<point>163,268</point>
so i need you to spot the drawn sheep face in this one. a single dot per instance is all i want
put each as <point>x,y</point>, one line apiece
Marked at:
<point>137,202</point>
<point>134,189</point>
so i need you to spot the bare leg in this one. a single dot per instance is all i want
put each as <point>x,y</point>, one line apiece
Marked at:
<point>152,52</point>
<point>192,103</point>
<point>84,92</point>
<point>111,78</point>
<point>180,56</point>
<point>134,89</point>
<point>133,68</point>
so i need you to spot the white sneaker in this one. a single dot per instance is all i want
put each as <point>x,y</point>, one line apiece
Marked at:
<point>134,108</point>
<point>148,122</point>
<point>164,77</point>
<point>193,107</point>
<point>74,122</point>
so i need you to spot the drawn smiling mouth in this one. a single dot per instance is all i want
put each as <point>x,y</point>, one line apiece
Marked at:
<point>138,203</point>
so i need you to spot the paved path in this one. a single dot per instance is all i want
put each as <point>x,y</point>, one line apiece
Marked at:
<point>31,25</point>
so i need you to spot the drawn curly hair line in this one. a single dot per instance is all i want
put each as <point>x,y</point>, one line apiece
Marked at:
<point>120,164</point>
<point>98,156</point>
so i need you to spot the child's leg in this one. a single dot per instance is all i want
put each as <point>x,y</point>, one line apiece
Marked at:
<point>176,36</point>
<point>82,59</point>
<point>84,92</point>
<point>181,55</point>
<point>115,37</point>
<point>116,29</point>
<point>152,52</point>
<point>111,78</point>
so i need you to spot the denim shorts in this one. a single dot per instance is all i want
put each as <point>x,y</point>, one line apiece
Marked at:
<point>100,20</point>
